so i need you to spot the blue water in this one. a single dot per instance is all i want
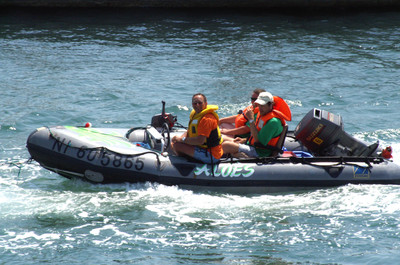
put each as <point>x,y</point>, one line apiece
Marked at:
<point>113,68</point>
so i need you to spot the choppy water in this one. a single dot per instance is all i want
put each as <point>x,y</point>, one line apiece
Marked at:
<point>114,68</point>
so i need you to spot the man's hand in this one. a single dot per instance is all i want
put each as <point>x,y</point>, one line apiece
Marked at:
<point>250,114</point>
<point>239,140</point>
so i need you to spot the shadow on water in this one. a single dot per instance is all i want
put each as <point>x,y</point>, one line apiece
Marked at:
<point>57,18</point>
<point>115,14</point>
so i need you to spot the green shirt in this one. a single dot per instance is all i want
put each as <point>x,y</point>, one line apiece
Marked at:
<point>272,129</point>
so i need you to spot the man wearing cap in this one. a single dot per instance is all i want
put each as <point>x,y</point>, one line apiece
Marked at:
<point>265,130</point>
<point>237,124</point>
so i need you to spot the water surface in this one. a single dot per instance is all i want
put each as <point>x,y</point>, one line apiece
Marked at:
<point>114,68</point>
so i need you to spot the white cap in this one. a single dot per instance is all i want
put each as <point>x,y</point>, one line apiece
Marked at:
<point>264,98</point>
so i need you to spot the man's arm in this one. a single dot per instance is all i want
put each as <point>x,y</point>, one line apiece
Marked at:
<point>236,131</point>
<point>230,119</point>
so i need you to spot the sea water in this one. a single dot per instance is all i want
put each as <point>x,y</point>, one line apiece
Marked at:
<point>113,69</point>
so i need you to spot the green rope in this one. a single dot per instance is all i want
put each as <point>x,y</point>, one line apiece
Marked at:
<point>19,165</point>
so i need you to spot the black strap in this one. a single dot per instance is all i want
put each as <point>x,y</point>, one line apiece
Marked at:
<point>212,163</point>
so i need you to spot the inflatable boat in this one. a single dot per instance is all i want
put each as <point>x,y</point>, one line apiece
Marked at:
<point>318,153</point>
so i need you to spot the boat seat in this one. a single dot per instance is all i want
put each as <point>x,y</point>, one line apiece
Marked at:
<point>281,141</point>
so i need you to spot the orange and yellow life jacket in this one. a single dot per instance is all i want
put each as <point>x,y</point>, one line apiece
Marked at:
<point>214,138</point>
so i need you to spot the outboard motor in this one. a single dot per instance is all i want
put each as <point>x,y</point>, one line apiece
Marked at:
<point>322,133</point>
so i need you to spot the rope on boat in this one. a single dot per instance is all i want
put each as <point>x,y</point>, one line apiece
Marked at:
<point>19,165</point>
<point>336,161</point>
<point>178,125</point>
<point>313,161</point>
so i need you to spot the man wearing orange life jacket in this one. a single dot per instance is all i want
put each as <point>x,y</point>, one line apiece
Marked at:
<point>238,124</point>
<point>265,130</point>
<point>202,140</point>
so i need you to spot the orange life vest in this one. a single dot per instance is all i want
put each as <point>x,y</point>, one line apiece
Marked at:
<point>281,106</point>
<point>281,111</point>
<point>261,121</point>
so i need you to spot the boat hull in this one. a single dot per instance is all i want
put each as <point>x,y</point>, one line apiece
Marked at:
<point>108,157</point>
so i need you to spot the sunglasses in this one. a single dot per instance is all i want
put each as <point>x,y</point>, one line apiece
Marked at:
<point>253,99</point>
<point>197,103</point>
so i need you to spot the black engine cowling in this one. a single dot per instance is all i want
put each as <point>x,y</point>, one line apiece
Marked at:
<point>322,133</point>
